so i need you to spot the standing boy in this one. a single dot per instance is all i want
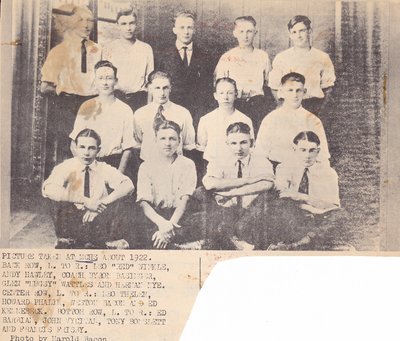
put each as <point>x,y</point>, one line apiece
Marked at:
<point>190,67</point>
<point>87,216</point>
<point>161,109</point>
<point>110,117</point>
<point>315,65</point>
<point>68,72</point>
<point>274,140</point>
<point>249,67</point>
<point>235,181</point>
<point>133,58</point>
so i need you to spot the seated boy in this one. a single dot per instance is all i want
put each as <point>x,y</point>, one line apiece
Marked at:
<point>274,140</point>
<point>110,118</point>
<point>211,134</point>
<point>307,215</point>
<point>165,185</point>
<point>87,215</point>
<point>161,108</point>
<point>315,65</point>
<point>249,67</point>
<point>235,181</point>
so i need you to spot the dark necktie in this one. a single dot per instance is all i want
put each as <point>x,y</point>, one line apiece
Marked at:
<point>159,118</point>
<point>303,187</point>
<point>185,57</point>
<point>239,175</point>
<point>83,57</point>
<point>86,184</point>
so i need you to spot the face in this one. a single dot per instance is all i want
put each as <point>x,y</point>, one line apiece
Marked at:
<point>292,92</point>
<point>83,24</point>
<point>160,89</point>
<point>127,26</point>
<point>239,144</point>
<point>184,30</point>
<point>306,152</point>
<point>168,141</point>
<point>300,35</point>
<point>225,94</point>
<point>86,149</point>
<point>244,32</point>
<point>105,80</point>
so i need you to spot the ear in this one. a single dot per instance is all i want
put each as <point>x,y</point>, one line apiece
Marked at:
<point>251,143</point>
<point>234,33</point>
<point>305,91</point>
<point>215,96</point>
<point>174,30</point>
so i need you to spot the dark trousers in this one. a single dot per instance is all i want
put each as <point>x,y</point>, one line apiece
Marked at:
<point>110,225</point>
<point>135,100</point>
<point>288,223</point>
<point>191,226</point>
<point>255,107</point>
<point>61,118</point>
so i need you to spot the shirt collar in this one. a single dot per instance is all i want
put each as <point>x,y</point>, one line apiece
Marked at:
<point>82,167</point>
<point>165,105</point>
<point>245,161</point>
<point>179,46</point>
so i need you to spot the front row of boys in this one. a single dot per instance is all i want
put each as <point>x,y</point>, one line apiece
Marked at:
<point>246,213</point>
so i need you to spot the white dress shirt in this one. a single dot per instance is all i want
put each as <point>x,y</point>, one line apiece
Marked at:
<point>181,50</point>
<point>114,124</point>
<point>211,132</point>
<point>315,65</point>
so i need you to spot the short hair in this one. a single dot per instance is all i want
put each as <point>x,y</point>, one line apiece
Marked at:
<point>227,80</point>
<point>294,77</point>
<point>307,136</point>
<point>185,14</point>
<point>238,127</point>
<point>126,11</point>
<point>77,9</point>
<point>299,19</point>
<point>88,133</point>
<point>106,63</point>
<point>248,18</point>
<point>165,124</point>
<point>158,74</point>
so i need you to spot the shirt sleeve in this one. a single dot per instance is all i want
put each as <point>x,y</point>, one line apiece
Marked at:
<point>150,65</point>
<point>137,131</point>
<point>324,154</point>
<point>221,69</point>
<point>283,177</point>
<point>113,176</point>
<point>144,185</point>
<point>276,73</point>
<point>260,166</point>
<point>328,73</point>
<point>201,135</point>
<point>188,134</point>
<point>52,67</point>
<point>267,68</point>
<point>263,143</point>
<point>127,134</point>
<point>189,179</point>
<point>329,185</point>
<point>214,170</point>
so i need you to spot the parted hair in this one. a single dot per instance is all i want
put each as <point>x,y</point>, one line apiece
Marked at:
<point>228,80</point>
<point>165,124</point>
<point>185,14</point>
<point>126,11</point>
<point>298,19</point>
<point>158,74</point>
<point>307,136</point>
<point>238,127</point>
<point>248,18</point>
<point>88,133</point>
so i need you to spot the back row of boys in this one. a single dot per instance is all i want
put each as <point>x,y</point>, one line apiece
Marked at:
<point>111,118</point>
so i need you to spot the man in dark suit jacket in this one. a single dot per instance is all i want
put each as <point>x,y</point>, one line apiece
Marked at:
<point>190,67</point>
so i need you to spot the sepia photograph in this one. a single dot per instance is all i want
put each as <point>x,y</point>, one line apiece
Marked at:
<point>206,125</point>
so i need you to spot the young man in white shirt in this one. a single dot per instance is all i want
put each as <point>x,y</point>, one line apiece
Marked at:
<point>308,213</point>
<point>161,108</point>
<point>110,118</point>
<point>133,58</point>
<point>235,183</point>
<point>67,77</point>
<point>274,140</point>
<point>87,214</point>
<point>249,67</point>
<point>165,186</point>
<point>315,65</point>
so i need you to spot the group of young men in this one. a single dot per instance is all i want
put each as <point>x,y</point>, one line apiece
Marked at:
<point>152,169</point>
